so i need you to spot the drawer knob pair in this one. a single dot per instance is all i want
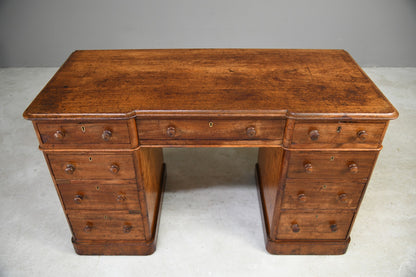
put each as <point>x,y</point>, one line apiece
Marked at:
<point>314,134</point>
<point>296,228</point>
<point>353,167</point>
<point>70,169</point>
<point>89,226</point>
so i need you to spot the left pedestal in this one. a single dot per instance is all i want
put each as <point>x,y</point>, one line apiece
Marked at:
<point>110,188</point>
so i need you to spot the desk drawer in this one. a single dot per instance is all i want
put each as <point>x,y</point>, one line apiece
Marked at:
<point>331,164</point>
<point>97,195</point>
<point>92,166</point>
<point>215,129</point>
<point>111,225</point>
<point>329,225</point>
<point>321,194</point>
<point>76,133</point>
<point>318,133</point>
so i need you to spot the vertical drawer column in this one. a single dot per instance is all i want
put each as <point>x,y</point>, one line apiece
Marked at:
<point>311,188</point>
<point>110,188</point>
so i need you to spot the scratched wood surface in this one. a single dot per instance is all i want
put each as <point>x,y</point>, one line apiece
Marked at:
<point>260,82</point>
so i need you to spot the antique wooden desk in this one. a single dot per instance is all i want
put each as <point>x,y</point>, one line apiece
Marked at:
<point>105,116</point>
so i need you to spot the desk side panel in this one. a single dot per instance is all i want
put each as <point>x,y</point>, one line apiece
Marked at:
<point>150,162</point>
<point>270,163</point>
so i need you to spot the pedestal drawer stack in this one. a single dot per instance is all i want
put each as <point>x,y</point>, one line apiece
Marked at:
<point>94,166</point>
<point>322,178</point>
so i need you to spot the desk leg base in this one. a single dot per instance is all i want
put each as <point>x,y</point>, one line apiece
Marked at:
<point>123,247</point>
<point>297,247</point>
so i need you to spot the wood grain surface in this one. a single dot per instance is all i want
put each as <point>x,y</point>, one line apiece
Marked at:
<point>216,82</point>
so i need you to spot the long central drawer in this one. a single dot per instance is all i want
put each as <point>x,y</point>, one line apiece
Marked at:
<point>215,129</point>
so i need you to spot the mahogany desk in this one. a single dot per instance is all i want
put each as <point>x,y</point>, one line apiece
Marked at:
<point>105,116</point>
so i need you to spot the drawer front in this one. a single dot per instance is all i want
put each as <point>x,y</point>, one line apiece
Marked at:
<point>338,133</point>
<point>200,129</point>
<point>110,225</point>
<point>324,195</point>
<point>107,133</point>
<point>92,166</point>
<point>331,164</point>
<point>296,225</point>
<point>99,195</point>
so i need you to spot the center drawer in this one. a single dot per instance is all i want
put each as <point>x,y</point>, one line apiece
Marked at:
<point>215,129</point>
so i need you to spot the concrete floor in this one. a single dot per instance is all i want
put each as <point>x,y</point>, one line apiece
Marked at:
<point>210,224</point>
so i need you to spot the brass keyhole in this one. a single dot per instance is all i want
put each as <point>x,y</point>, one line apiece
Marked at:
<point>210,124</point>
<point>90,159</point>
<point>339,129</point>
<point>97,188</point>
<point>83,129</point>
<point>332,158</point>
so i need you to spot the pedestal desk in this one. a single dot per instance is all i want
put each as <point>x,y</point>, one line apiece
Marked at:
<point>315,116</point>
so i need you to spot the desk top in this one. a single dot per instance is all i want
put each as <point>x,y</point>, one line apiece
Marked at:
<point>211,82</point>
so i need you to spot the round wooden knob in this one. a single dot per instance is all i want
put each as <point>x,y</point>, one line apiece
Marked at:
<point>59,135</point>
<point>302,197</point>
<point>314,134</point>
<point>353,167</point>
<point>88,227</point>
<point>106,135</point>
<point>342,197</point>
<point>334,227</point>
<point>251,131</point>
<point>308,167</point>
<point>362,135</point>
<point>78,198</point>
<point>121,197</point>
<point>171,131</point>
<point>127,228</point>
<point>69,169</point>
<point>295,228</point>
<point>114,168</point>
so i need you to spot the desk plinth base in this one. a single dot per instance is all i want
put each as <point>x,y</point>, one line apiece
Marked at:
<point>297,247</point>
<point>92,247</point>
<point>124,247</point>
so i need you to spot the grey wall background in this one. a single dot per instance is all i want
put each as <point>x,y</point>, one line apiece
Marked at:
<point>45,32</point>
